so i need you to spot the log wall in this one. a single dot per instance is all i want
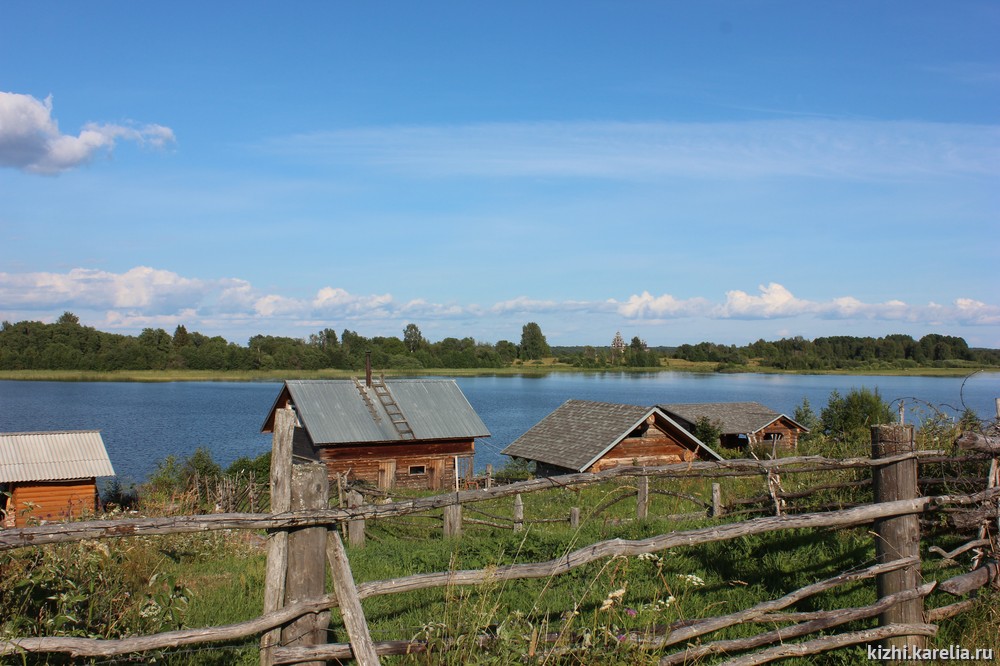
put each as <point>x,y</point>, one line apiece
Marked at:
<point>38,501</point>
<point>420,465</point>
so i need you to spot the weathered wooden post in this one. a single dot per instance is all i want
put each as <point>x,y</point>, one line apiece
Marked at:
<point>716,500</point>
<point>574,517</point>
<point>453,520</point>
<point>305,577</point>
<point>489,476</point>
<point>355,527</point>
<point>277,545</point>
<point>518,513</point>
<point>899,536</point>
<point>642,501</point>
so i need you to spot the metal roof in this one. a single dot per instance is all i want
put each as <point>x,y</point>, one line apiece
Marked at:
<point>335,412</point>
<point>733,418</point>
<point>50,456</point>
<point>579,432</point>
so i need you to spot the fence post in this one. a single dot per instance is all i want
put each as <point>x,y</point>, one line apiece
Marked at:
<point>277,544</point>
<point>355,527</point>
<point>574,517</point>
<point>642,502</point>
<point>897,537</point>
<point>518,513</point>
<point>306,574</point>
<point>453,520</point>
<point>716,500</point>
<point>489,476</point>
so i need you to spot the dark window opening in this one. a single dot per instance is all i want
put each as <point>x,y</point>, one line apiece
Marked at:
<point>418,469</point>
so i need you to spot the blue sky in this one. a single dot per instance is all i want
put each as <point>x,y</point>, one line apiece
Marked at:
<point>680,171</point>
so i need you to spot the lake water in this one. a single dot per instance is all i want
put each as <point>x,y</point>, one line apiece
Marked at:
<point>142,423</point>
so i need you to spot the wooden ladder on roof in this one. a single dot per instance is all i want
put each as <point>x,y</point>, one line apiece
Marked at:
<point>368,401</point>
<point>392,408</point>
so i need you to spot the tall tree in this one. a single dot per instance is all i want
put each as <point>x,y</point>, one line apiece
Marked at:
<point>412,338</point>
<point>533,343</point>
<point>181,337</point>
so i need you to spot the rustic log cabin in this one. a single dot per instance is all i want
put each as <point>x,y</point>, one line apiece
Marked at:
<point>742,424</point>
<point>409,433</point>
<point>584,436</point>
<point>49,476</point>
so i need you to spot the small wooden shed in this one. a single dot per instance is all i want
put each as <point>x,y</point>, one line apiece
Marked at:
<point>585,436</point>
<point>46,476</point>
<point>411,433</point>
<point>743,424</point>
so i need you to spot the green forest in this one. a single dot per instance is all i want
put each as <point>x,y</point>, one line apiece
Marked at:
<point>68,345</point>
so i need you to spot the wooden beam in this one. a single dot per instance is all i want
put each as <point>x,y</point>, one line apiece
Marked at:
<point>362,646</point>
<point>897,537</point>
<point>277,545</point>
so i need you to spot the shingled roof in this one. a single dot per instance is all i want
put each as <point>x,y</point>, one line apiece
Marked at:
<point>335,411</point>
<point>732,418</point>
<point>53,456</point>
<point>580,432</point>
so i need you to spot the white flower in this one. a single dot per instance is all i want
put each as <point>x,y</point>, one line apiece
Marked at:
<point>692,580</point>
<point>613,597</point>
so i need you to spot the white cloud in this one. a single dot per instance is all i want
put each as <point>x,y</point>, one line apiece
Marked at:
<point>774,301</point>
<point>141,288</point>
<point>147,297</point>
<point>645,305</point>
<point>817,148</point>
<point>30,138</point>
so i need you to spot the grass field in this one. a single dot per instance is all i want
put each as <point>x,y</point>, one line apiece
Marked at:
<point>141,585</point>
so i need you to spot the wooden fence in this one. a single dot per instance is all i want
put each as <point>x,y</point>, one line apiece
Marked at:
<point>301,549</point>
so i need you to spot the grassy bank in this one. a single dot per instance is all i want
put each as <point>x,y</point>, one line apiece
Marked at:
<point>545,366</point>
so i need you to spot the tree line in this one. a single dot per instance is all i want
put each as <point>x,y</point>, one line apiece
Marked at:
<point>844,353</point>
<point>68,345</point>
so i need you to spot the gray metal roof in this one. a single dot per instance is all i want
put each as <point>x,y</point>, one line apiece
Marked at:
<point>579,432</point>
<point>51,456</point>
<point>733,418</point>
<point>334,411</point>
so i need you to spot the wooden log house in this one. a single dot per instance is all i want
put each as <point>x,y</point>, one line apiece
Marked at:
<point>742,424</point>
<point>585,436</point>
<point>47,476</point>
<point>410,433</point>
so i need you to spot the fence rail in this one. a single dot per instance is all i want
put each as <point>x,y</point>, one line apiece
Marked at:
<point>281,609</point>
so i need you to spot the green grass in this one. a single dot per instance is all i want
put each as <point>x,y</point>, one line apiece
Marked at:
<point>222,576</point>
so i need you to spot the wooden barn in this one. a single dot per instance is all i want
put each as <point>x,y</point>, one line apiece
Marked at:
<point>410,433</point>
<point>46,476</point>
<point>743,424</point>
<point>584,436</point>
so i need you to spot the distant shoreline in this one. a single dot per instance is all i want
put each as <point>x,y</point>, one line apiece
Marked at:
<point>153,376</point>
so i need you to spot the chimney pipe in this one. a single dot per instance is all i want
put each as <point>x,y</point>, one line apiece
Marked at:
<point>368,369</point>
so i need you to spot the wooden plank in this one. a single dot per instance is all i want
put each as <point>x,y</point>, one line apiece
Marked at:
<point>353,615</point>
<point>277,547</point>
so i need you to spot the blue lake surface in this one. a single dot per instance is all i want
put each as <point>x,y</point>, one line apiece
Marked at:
<point>142,423</point>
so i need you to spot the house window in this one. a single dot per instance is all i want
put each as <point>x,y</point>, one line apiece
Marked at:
<point>417,469</point>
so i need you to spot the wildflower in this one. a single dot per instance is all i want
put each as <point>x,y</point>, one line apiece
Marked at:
<point>692,580</point>
<point>651,557</point>
<point>631,612</point>
<point>613,597</point>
